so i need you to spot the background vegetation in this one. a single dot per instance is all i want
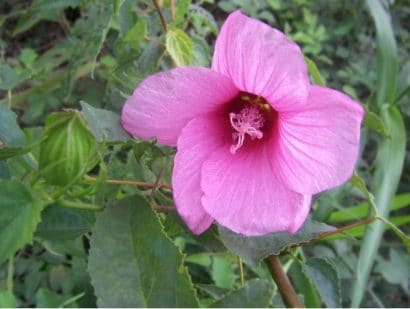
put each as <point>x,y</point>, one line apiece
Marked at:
<point>59,248</point>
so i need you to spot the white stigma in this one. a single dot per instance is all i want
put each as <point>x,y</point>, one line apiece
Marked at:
<point>248,121</point>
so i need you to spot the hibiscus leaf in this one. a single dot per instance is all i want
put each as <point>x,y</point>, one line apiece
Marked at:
<point>324,275</point>
<point>255,249</point>
<point>179,45</point>
<point>132,263</point>
<point>256,294</point>
<point>19,216</point>
<point>61,223</point>
<point>10,133</point>
<point>104,124</point>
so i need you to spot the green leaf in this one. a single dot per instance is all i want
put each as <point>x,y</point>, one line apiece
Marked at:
<point>324,275</point>
<point>222,272</point>
<point>255,249</point>
<point>66,149</point>
<point>60,223</point>
<point>255,294</point>
<point>179,46</point>
<point>389,166</point>
<point>315,73</point>
<point>116,5</point>
<point>145,268</point>
<point>19,216</point>
<point>374,122</point>
<point>4,171</point>
<point>7,299</point>
<point>104,124</point>
<point>396,270</point>
<point>136,34</point>
<point>8,77</point>
<point>304,286</point>
<point>361,210</point>
<point>10,133</point>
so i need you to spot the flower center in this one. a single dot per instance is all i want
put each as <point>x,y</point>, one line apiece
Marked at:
<point>248,121</point>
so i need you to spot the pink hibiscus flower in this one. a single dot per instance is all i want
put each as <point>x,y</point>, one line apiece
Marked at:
<point>254,138</point>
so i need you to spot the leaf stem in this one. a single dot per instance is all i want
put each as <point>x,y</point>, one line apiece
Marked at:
<point>241,274</point>
<point>347,227</point>
<point>79,205</point>
<point>289,296</point>
<point>172,7</point>
<point>161,16</point>
<point>10,274</point>
<point>9,99</point>
<point>131,183</point>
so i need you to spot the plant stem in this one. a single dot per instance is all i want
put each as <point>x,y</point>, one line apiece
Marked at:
<point>9,99</point>
<point>162,208</point>
<point>347,227</point>
<point>289,296</point>
<point>161,16</point>
<point>172,7</point>
<point>79,205</point>
<point>10,274</point>
<point>241,274</point>
<point>131,183</point>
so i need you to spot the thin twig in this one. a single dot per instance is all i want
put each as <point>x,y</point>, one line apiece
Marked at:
<point>10,274</point>
<point>156,183</point>
<point>161,16</point>
<point>172,6</point>
<point>347,227</point>
<point>162,208</point>
<point>9,99</point>
<point>241,274</point>
<point>289,296</point>
<point>131,183</point>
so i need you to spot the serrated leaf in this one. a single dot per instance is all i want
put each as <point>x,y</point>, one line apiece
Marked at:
<point>374,122</point>
<point>255,249</point>
<point>255,294</point>
<point>145,268</point>
<point>10,133</point>
<point>136,34</point>
<point>179,46</point>
<point>66,148</point>
<point>19,216</point>
<point>104,124</point>
<point>304,286</point>
<point>7,299</point>
<point>324,275</point>
<point>60,223</point>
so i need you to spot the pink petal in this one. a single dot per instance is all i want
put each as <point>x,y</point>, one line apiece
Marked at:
<point>262,61</point>
<point>197,141</point>
<point>317,147</point>
<point>165,102</point>
<point>242,194</point>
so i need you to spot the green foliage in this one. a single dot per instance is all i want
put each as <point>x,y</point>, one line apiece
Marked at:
<point>86,210</point>
<point>104,124</point>
<point>179,46</point>
<point>19,216</point>
<point>256,294</point>
<point>323,274</point>
<point>146,268</point>
<point>255,249</point>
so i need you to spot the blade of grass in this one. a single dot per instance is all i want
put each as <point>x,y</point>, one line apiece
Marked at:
<point>391,151</point>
